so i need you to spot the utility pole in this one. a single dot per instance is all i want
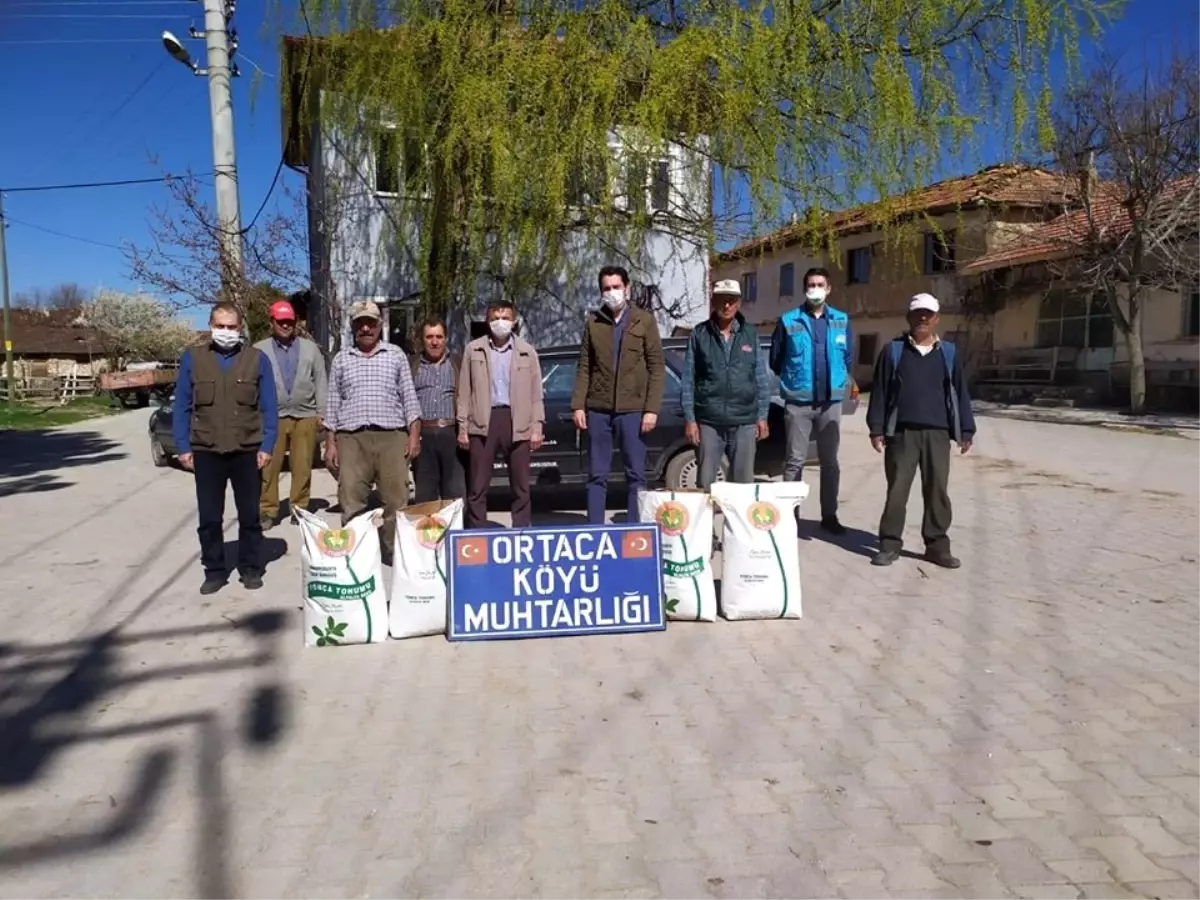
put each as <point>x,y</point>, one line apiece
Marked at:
<point>220,102</point>
<point>8,356</point>
<point>221,70</point>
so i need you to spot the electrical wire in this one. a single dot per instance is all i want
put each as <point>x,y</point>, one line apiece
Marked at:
<point>105,16</point>
<point>106,41</point>
<point>87,184</point>
<point>62,234</point>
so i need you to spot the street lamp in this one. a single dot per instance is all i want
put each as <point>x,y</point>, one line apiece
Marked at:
<point>179,52</point>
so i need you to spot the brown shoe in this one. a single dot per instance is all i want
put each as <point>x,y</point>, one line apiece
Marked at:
<point>942,558</point>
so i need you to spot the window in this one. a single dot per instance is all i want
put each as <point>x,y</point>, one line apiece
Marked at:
<point>868,349</point>
<point>1191,311</point>
<point>1074,320</point>
<point>395,156</point>
<point>588,181</point>
<point>660,190</point>
<point>637,173</point>
<point>858,265</point>
<point>750,287</point>
<point>387,163</point>
<point>787,280</point>
<point>939,253</point>
<point>559,382</point>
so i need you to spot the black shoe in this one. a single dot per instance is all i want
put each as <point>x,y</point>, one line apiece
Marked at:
<point>942,558</point>
<point>885,557</point>
<point>213,583</point>
<point>252,581</point>
<point>832,525</point>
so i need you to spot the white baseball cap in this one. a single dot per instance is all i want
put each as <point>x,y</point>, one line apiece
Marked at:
<point>923,301</point>
<point>729,287</point>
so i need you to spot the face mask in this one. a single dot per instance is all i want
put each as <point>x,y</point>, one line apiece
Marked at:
<point>614,300</point>
<point>500,328</point>
<point>815,295</point>
<point>226,338</point>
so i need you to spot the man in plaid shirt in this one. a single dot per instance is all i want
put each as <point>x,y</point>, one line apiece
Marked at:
<point>373,422</point>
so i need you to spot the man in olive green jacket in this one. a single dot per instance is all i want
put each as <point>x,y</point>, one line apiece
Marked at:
<point>618,390</point>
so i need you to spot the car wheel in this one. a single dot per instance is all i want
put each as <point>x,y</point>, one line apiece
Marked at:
<point>683,471</point>
<point>158,455</point>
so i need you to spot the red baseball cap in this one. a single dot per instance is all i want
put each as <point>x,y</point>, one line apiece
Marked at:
<point>282,310</point>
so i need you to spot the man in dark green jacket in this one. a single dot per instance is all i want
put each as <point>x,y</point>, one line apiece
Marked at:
<point>725,390</point>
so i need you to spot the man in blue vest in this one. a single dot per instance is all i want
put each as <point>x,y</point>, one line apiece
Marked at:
<point>919,404</point>
<point>724,389</point>
<point>812,353</point>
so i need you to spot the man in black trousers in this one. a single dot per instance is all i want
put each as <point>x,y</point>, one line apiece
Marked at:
<point>440,473</point>
<point>919,404</point>
<point>225,422</point>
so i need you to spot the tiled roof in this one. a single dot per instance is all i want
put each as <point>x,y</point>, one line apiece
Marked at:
<point>1056,238</point>
<point>1003,185</point>
<point>50,332</point>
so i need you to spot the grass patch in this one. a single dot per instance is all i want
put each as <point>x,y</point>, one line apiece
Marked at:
<point>28,416</point>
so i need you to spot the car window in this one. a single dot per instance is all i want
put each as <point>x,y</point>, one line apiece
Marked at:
<point>558,382</point>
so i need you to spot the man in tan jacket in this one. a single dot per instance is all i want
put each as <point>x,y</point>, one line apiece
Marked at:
<point>500,409</point>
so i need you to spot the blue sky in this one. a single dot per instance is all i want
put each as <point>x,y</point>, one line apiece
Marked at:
<point>90,95</point>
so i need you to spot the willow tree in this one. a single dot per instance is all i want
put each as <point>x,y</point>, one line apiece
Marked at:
<point>505,114</point>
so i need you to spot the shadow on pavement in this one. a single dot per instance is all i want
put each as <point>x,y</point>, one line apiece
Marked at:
<point>50,693</point>
<point>273,550</point>
<point>33,484</point>
<point>26,453</point>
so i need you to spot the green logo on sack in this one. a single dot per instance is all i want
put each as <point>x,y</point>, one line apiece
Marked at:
<point>330,591</point>
<point>686,569</point>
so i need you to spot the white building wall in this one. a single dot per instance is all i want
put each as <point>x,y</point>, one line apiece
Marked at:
<point>366,261</point>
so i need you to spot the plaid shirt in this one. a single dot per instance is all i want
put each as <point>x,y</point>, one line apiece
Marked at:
<point>435,388</point>
<point>375,389</point>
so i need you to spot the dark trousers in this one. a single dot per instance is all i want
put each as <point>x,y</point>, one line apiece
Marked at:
<point>516,455</point>
<point>927,449</point>
<point>213,471</point>
<point>625,430</point>
<point>439,467</point>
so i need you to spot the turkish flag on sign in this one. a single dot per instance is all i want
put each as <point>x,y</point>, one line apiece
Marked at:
<point>637,545</point>
<point>473,551</point>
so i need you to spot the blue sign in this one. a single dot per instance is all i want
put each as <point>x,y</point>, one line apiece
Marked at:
<point>538,582</point>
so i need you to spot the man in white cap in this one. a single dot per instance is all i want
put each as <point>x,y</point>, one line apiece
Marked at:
<point>919,404</point>
<point>724,389</point>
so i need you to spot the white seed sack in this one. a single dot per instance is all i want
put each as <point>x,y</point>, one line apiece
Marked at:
<point>341,576</point>
<point>760,576</point>
<point>685,519</point>
<point>418,604</point>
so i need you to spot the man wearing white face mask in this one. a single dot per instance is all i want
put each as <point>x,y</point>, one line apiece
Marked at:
<point>811,352</point>
<point>618,390</point>
<point>225,423</point>
<point>500,410</point>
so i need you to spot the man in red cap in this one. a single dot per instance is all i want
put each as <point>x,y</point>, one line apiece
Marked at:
<point>301,385</point>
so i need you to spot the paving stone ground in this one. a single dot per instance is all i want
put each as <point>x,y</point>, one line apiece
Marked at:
<point>1023,727</point>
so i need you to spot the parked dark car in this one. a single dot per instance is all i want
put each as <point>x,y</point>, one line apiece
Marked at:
<point>162,439</point>
<point>670,459</point>
<point>563,458</point>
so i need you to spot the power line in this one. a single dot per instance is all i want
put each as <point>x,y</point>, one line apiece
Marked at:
<point>145,40</point>
<point>22,15</point>
<point>62,234</point>
<point>43,4</point>
<point>87,184</point>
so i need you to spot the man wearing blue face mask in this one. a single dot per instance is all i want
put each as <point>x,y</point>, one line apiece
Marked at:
<point>811,352</point>
<point>225,423</point>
